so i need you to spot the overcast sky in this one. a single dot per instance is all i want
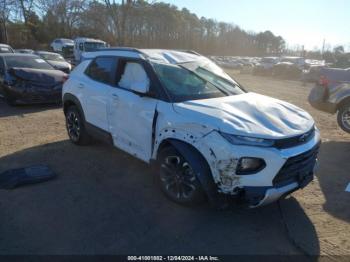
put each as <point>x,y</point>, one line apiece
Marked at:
<point>299,22</point>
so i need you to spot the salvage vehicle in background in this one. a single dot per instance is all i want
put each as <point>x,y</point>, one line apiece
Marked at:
<point>312,73</point>
<point>68,54</point>
<point>58,44</point>
<point>264,67</point>
<point>332,95</point>
<point>24,51</point>
<point>289,67</point>
<point>6,49</point>
<point>29,79</point>
<point>56,60</point>
<point>84,44</point>
<point>205,133</point>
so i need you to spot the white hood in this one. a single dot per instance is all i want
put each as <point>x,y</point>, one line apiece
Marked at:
<point>248,114</point>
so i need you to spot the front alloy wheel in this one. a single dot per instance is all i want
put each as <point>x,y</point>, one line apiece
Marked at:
<point>178,179</point>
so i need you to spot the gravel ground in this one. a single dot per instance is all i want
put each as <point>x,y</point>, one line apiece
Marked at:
<point>106,202</point>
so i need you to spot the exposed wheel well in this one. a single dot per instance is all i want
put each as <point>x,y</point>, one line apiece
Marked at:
<point>67,104</point>
<point>164,144</point>
<point>173,142</point>
<point>71,100</point>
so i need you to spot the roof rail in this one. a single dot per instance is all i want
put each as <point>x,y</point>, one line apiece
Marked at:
<point>191,52</point>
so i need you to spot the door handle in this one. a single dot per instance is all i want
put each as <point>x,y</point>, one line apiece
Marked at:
<point>81,86</point>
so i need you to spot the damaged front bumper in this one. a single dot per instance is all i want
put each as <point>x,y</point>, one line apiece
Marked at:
<point>286,170</point>
<point>273,194</point>
<point>256,197</point>
<point>296,173</point>
<point>261,196</point>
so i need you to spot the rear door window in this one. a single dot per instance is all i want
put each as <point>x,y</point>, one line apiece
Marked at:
<point>102,69</point>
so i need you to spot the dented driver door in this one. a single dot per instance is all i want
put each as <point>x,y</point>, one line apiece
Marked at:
<point>130,117</point>
<point>130,120</point>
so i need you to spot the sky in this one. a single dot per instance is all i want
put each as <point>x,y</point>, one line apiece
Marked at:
<point>299,22</point>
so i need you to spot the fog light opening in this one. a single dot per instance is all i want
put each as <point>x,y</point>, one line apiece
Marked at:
<point>249,165</point>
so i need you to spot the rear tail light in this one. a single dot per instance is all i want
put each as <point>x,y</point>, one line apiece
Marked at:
<point>323,81</point>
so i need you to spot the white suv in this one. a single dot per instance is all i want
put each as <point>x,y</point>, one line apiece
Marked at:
<point>206,134</point>
<point>59,43</point>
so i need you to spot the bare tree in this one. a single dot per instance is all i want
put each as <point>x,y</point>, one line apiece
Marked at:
<point>26,7</point>
<point>119,14</point>
<point>6,9</point>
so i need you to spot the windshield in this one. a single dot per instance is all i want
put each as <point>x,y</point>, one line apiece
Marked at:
<point>27,62</point>
<point>54,57</point>
<point>91,46</point>
<point>195,80</point>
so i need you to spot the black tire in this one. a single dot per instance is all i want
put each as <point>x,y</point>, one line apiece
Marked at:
<point>177,178</point>
<point>76,127</point>
<point>343,117</point>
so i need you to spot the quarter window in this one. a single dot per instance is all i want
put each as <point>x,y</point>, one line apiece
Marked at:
<point>102,69</point>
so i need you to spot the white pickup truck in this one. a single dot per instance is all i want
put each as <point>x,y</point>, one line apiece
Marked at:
<point>205,133</point>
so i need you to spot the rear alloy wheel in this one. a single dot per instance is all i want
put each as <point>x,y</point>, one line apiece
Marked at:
<point>177,178</point>
<point>343,118</point>
<point>75,127</point>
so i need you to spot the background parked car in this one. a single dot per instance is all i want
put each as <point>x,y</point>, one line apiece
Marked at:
<point>83,44</point>
<point>312,74</point>
<point>56,60</point>
<point>6,49</point>
<point>29,79</point>
<point>24,51</point>
<point>332,95</point>
<point>289,67</point>
<point>286,70</point>
<point>264,67</point>
<point>60,43</point>
<point>68,54</point>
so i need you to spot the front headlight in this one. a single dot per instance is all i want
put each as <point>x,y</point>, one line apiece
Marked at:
<point>247,140</point>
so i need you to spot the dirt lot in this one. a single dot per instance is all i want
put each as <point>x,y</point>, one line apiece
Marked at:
<point>105,202</point>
